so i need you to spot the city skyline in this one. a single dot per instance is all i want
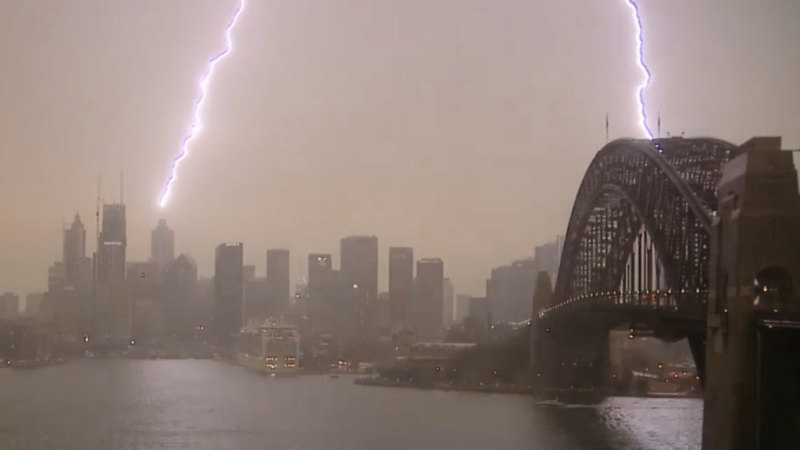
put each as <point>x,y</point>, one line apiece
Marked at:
<point>452,129</point>
<point>163,251</point>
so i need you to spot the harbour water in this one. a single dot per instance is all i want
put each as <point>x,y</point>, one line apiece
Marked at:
<point>206,404</point>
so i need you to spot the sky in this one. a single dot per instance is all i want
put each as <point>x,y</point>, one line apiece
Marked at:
<point>460,128</point>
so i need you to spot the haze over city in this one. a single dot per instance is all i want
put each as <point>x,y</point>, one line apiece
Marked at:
<point>461,129</point>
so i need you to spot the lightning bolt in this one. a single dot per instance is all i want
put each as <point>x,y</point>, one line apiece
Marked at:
<point>637,18</point>
<point>196,125</point>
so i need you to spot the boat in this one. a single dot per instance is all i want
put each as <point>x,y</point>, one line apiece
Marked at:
<point>269,347</point>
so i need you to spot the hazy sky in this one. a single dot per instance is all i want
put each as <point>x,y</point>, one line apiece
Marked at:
<point>459,127</point>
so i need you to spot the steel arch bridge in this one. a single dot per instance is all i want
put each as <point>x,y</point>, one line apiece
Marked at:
<point>639,233</point>
<point>636,253</point>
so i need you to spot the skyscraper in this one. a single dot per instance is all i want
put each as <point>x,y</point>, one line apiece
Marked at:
<point>401,284</point>
<point>320,267</point>
<point>278,290</point>
<point>183,310</point>
<point>359,272</point>
<point>228,291</point>
<point>322,290</point>
<point>74,255</point>
<point>430,297</point>
<point>111,245</point>
<point>162,246</point>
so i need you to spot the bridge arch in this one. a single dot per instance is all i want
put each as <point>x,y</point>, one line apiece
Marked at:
<point>664,186</point>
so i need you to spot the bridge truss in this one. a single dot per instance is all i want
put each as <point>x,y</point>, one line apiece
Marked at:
<point>639,233</point>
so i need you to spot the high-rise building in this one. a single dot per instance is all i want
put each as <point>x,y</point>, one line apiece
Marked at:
<point>462,307</point>
<point>320,267</point>
<point>183,308</point>
<point>255,296</point>
<point>359,272</point>
<point>148,318</point>
<point>162,246</point>
<point>510,290</point>
<point>429,297</point>
<point>448,301</point>
<point>74,255</point>
<point>111,245</point>
<point>401,284</point>
<point>322,293</point>
<point>228,291</point>
<point>278,290</point>
<point>548,256</point>
<point>479,320</point>
<point>56,276</point>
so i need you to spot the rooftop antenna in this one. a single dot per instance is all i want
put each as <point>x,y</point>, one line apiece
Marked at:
<point>606,128</point>
<point>121,184</point>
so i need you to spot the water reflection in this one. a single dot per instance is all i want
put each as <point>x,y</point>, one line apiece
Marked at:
<point>207,404</point>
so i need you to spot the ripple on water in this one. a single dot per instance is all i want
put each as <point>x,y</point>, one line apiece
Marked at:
<point>197,404</point>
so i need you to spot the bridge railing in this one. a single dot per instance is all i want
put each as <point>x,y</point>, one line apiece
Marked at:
<point>688,301</point>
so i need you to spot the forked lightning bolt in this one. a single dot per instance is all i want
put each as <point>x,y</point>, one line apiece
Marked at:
<point>196,126</point>
<point>637,18</point>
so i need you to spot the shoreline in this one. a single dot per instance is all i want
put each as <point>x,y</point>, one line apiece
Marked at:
<point>569,397</point>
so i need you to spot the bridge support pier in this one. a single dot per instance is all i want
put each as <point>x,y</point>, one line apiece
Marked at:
<point>752,380</point>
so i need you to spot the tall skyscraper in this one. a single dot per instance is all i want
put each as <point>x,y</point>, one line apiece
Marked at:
<point>430,297</point>
<point>74,255</point>
<point>183,310</point>
<point>162,246</point>
<point>401,284</point>
<point>278,290</point>
<point>228,291</point>
<point>322,285</point>
<point>112,244</point>
<point>359,272</point>
<point>320,267</point>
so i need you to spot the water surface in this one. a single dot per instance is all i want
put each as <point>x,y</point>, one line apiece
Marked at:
<point>204,404</point>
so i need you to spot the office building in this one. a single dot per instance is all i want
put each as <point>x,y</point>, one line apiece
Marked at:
<point>184,310</point>
<point>359,275</point>
<point>510,290</point>
<point>322,293</point>
<point>77,267</point>
<point>462,307</point>
<point>162,246</point>
<point>112,244</point>
<point>228,291</point>
<point>429,297</point>
<point>278,282</point>
<point>401,285</point>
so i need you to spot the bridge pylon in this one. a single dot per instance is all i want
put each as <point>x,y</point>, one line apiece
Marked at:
<point>752,376</point>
